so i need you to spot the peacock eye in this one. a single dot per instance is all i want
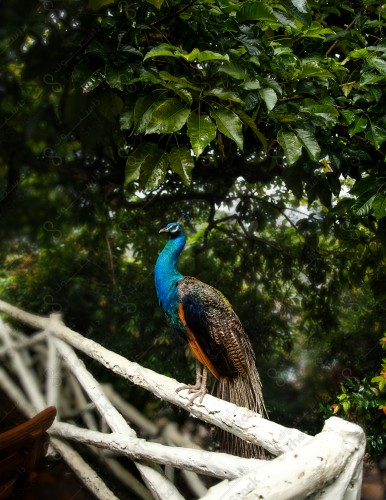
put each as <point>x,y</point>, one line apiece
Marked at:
<point>174,229</point>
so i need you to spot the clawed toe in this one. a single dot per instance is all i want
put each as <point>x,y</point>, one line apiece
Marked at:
<point>198,392</point>
<point>189,387</point>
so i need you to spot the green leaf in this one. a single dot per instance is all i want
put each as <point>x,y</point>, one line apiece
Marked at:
<point>146,76</point>
<point>137,159</point>
<point>82,71</point>
<point>367,185</point>
<point>378,64</point>
<point>181,81</point>
<point>308,140</point>
<point>234,70</point>
<point>269,97</point>
<point>143,110</point>
<point>359,126</point>
<point>312,68</point>
<point>328,114</point>
<point>201,131</point>
<point>182,163</point>
<point>379,206</point>
<point>168,117</point>
<point>316,30</point>
<point>126,120</point>
<point>347,88</point>
<point>93,81</point>
<point>129,49</point>
<point>272,84</point>
<point>298,9</point>
<point>118,77</point>
<point>381,382</point>
<point>291,145</point>
<point>369,78</point>
<point>148,163</point>
<point>361,209</point>
<point>349,116</point>
<point>300,5</point>
<point>155,172</point>
<point>252,85</point>
<point>98,47</point>
<point>223,94</point>
<point>205,55</point>
<point>164,49</point>
<point>376,135</point>
<point>346,405</point>
<point>375,93</point>
<point>156,3</point>
<point>255,11</point>
<point>358,54</point>
<point>229,124</point>
<point>182,93</point>
<point>192,55</point>
<point>286,21</point>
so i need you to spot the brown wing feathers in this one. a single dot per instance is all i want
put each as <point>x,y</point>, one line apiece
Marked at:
<point>218,340</point>
<point>217,329</point>
<point>203,308</point>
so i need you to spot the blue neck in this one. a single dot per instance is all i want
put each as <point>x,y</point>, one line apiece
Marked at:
<point>167,275</point>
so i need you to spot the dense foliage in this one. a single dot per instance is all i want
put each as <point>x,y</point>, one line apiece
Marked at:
<point>264,120</point>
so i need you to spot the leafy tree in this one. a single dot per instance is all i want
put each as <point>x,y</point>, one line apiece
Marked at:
<point>264,120</point>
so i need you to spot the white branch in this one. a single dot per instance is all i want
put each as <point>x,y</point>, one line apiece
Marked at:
<point>298,474</point>
<point>329,464</point>
<point>16,395</point>
<point>38,322</point>
<point>173,437</point>
<point>170,433</point>
<point>203,462</point>
<point>53,378</point>
<point>24,342</point>
<point>114,419</point>
<point>83,408</point>
<point>27,377</point>
<point>156,482</point>
<point>126,477</point>
<point>158,485</point>
<point>130,412</point>
<point>239,421</point>
<point>85,473</point>
<point>117,423</point>
<point>195,483</point>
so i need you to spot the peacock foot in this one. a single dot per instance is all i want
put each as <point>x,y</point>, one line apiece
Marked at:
<point>197,390</point>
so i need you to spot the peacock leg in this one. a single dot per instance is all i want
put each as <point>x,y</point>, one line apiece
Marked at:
<point>199,388</point>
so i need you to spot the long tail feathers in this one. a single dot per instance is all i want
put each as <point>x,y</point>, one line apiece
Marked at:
<point>242,391</point>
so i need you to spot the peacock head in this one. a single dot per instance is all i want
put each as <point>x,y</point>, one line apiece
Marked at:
<point>174,229</point>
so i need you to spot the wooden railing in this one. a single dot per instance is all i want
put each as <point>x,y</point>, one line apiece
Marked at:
<point>49,372</point>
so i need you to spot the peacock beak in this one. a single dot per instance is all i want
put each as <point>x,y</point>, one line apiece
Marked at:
<point>164,230</point>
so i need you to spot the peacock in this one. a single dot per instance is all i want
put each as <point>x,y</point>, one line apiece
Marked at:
<point>215,335</point>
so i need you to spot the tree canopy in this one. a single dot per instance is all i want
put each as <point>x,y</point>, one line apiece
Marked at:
<point>263,120</point>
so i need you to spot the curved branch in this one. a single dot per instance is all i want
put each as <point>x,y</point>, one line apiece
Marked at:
<point>212,463</point>
<point>242,422</point>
